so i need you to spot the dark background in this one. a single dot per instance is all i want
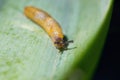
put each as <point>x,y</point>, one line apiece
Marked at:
<point>109,65</point>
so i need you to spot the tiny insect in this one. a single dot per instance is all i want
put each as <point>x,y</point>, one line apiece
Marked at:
<point>49,24</point>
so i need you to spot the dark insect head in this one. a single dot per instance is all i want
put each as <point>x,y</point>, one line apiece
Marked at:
<point>62,44</point>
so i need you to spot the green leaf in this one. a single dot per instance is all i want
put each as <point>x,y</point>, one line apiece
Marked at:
<point>27,52</point>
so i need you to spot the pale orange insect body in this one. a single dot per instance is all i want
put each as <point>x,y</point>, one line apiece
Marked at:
<point>53,29</point>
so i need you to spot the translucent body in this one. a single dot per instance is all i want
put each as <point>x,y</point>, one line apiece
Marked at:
<point>53,29</point>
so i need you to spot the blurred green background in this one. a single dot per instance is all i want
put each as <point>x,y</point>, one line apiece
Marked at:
<point>27,52</point>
